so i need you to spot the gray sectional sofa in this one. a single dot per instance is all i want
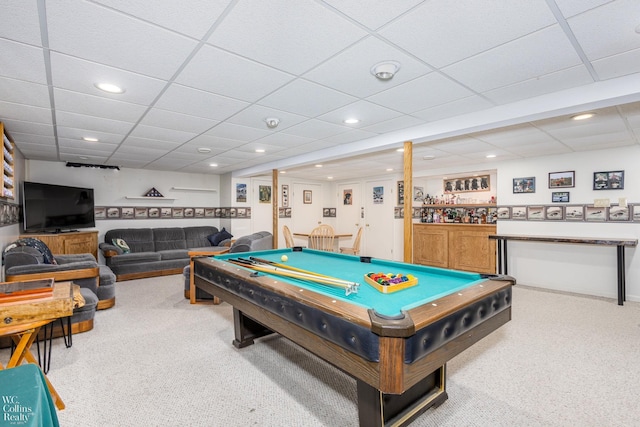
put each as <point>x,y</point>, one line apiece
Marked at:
<point>154,251</point>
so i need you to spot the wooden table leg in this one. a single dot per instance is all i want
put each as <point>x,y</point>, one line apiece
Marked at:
<point>23,341</point>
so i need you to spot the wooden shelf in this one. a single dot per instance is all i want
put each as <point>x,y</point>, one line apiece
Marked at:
<point>212,190</point>
<point>6,163</point>
<point>148,198</point>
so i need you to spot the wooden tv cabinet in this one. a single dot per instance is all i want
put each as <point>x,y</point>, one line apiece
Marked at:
<point>73,242</point>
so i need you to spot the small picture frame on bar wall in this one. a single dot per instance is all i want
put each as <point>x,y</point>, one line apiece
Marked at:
<point>612,180</point>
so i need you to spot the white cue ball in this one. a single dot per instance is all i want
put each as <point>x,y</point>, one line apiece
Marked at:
<point>284,258</point>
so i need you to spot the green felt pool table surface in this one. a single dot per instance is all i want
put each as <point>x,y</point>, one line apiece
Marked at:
<point>433,283</point>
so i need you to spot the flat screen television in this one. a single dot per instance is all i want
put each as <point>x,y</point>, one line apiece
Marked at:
<point>56,208</point>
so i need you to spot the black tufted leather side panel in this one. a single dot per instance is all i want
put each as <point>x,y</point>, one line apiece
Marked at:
<point>354,338</point>
<point>439,333</point>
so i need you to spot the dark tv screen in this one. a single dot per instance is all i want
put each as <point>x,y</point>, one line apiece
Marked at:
<point>57,208</point>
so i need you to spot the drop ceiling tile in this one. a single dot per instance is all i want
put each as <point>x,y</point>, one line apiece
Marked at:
<point>25,113</point>
<point>398,123</point>
<point>182,99</point>
<point>463,146</point>
<point>570,8</point>
<point>174,137</point>
<point>97,106</point>
<point>607,30</point>
<point>23,92</point>
<point>27,127</point>
<point>514,136</point>
<point>20,22</point>
<point>454,108</point>
<point>139,153</point>
<point>316,129</point>
<point>238,132</point>
<point>136,45</point>
<point>91,123</point>
<point>193,20</point>
<point>349,136</point>
<point>368,113</point>
<point>373,14</point>
<point>598,141</point>
<point>542,148</point>
<point>27,62</point>
<point>78,134</point>
<point>284,139</point>
<point>618,65</point>
<point>529,57</point>
<point>255,115</point>
<point>79,75</point>
<point>212,142</point>
<point>29,138</point>
<point>153,144</point>
<point>548,83</point>
<point>288,99</point>
<point>451,31</point>
<point>172,120</point>
<point>302,39</point>
<point>350,70</point>
<point>224,73</point>
<point>421,93</point>
<point>84,147</point>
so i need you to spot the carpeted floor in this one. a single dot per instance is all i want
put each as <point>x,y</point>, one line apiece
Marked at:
<point>156,360</point>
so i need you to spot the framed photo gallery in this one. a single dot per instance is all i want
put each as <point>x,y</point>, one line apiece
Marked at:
<point>570,213</point>
<point>176,212</point>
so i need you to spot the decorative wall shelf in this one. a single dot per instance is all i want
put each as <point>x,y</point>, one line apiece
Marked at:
<point>194,189</point>
<point>148,198</point>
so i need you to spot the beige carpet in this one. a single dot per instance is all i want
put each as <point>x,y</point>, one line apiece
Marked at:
<point>156,360</point>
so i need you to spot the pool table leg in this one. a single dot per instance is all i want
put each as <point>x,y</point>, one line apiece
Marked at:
<point>246,329</point>
<point>378,409</point>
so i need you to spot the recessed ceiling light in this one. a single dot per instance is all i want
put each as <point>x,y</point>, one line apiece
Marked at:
<point>352,121</point>
<point>428,157</point>
<point>400,150</point>
<point>213,165</point>
<point>329,177</point>
<point>84,158</point>
<point>582,116</point>
<point>318,166</point>
<point>490,156</point>
<point>283,171</point>
<point>108,87</point>
<point>389,169</point>
<point>204,150</point>
<point>90,139</point>
<point>385,70</point>
<point>259,150</point>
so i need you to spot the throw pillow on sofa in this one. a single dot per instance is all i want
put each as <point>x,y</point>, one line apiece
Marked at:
<point>122,245</point>
<point>219,237</point>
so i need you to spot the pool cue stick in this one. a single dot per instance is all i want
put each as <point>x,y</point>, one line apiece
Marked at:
<point>288,267</point>
<point>349,287</point>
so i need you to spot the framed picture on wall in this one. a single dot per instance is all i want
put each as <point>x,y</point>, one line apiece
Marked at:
<point>467,184</point>
<point>554,213</point>
<point>100,212</point>
<point>378,195</point>
<point>519,212</point>
<point>635,213</point>
<point>113,213</point>
<point>264,193</point>
<point>307,197</point>
<point>524,185</point>
<point>126,213</point>
<point>141,212</point>
<point>285,196</point>
<point>613,180</point>
<point>560,197</point>
<point>574,213</point>
<point>504,212</point>
<point>535,213</point>
<point>618,213</point>
<point>562,179</point>
<point>401,192</point>
<point>595,213</point>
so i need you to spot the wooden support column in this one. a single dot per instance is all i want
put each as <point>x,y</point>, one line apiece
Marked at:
<point>408,201</point>
<point>274,205</point>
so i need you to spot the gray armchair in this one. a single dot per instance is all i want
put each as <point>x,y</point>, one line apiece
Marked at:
<point>28,263</point>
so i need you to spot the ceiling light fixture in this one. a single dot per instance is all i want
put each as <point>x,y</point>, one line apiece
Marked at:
<point>90,139</point>
<point>351,121</point>
<point>491,156</point>
<point>385,70</point>
<point>318,166</point>
<point>329,177</point>
<point>213,165</point>
<point>108,87</point>
<point>272,122</point>
<point>259,150</point>
<point>204,150</point>
<point>400,150</point>
<point>389,169</point>
<point>583,116</point>
<point>428,157</point>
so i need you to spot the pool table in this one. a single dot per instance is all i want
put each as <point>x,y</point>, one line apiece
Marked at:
<point>395,344</point>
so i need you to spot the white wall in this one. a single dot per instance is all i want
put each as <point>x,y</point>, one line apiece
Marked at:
<point>111,188</point>
<point>574,268</point>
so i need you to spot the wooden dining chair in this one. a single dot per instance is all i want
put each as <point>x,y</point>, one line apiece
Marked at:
<point>355,249</point>
<point>322,237</point>
<point>288,237</point>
